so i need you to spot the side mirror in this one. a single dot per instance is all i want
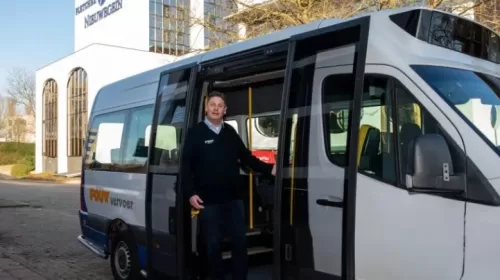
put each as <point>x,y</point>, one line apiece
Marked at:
<point>430,166</point>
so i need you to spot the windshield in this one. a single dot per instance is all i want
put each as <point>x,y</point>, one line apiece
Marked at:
<point>474,94</point>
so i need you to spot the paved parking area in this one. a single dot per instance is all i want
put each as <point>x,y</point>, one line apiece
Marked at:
<point>39,225</point>
<point>12,270</point>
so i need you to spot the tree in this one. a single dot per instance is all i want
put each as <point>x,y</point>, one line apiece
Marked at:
<point>3,116</point>
<point>245,19</point>
<point>18,130</point>
<point>488,13</point>
<point>21,88</point>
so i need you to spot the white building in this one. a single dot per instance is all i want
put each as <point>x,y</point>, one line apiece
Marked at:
<point>114,39</point>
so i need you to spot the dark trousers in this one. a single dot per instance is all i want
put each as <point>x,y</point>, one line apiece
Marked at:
<point>228,217</point>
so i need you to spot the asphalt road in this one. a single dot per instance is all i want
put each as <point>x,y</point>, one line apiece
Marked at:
<point>42,236</point>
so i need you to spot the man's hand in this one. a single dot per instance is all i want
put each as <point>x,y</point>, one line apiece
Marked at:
<point>274,170</point>
<point>196,202</point>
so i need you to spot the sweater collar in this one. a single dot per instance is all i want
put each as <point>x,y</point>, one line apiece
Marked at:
<point>215,128</point>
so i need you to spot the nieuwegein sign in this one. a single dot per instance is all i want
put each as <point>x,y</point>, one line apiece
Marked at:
<point>104,11</point>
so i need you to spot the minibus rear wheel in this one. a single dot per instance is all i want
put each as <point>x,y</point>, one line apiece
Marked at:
<point>124,263</point>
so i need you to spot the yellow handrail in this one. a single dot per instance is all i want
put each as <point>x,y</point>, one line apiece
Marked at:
<point>194,212</point>
<point>250,175</point>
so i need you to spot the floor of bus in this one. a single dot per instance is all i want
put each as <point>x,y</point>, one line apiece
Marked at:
<point>259,268</point>
<point>264,272</point>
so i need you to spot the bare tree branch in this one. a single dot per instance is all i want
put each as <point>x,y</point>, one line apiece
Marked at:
<point>21,88</point>
<point>488,13</point>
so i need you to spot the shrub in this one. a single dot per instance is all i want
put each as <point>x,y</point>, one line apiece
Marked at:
<point>20,170</point>
<point>29,161</point>
<point>11,153</point>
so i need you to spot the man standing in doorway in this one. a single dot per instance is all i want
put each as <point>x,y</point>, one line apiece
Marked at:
<point>212,156</point>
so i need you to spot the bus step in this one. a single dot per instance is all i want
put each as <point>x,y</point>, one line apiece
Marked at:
<point>251,251</point>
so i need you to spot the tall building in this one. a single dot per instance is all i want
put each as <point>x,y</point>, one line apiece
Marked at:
<point>113,39</point>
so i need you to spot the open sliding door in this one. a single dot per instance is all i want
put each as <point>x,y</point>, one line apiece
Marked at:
<point>164,204</point>
<point>317,197</point>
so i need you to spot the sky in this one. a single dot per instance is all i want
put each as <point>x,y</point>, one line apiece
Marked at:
<point>34,33</point>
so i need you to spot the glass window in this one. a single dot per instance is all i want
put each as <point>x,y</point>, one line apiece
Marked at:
<point>474,95</point>
<point>138,130</point>
<point>412,121</point>
<point>380,136</point>
<point>77,111</point>
<point>375,157</point>
<point>215,11</point>
<point>265,132</point>
<point>105,142</point>
<point>167,18</point>
<point>234,124</point>
<point>462,35</point>
<point>49,119</point>
<point>171,114</point>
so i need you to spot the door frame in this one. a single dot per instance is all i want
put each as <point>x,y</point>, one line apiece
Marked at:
<point>180,205</point>
<point>350,173</point>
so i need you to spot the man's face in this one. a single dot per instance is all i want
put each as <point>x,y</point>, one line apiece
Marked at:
<point>216,108</point>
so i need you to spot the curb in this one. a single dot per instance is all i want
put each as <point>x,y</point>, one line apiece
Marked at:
<point>16,180</point>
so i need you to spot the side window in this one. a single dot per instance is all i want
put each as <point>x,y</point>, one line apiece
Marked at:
<point>137,139</point>
<point>375,156</point>
<point>391,119</point>
<point>105,142</point>
<point>409,118</point>
<point>171,112</point>
<point>412,121</point>
<point>234,124</point>
<point>337,93</point>
<point>265,132</point>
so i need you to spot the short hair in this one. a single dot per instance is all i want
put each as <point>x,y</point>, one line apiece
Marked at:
<point>215,93</point>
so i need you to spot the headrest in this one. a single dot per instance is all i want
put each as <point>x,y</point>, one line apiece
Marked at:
<point>409,131</point>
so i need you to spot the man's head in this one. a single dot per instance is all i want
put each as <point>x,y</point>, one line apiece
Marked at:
<point>216,106</point>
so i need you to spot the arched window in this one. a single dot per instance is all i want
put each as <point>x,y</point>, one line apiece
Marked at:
<point>49,119</point>
<point>77,111</point>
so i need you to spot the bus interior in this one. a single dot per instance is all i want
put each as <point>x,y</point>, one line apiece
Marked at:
<point>253,109</point>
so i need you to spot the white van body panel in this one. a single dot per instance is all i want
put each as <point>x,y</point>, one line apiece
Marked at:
<point>482,252</point>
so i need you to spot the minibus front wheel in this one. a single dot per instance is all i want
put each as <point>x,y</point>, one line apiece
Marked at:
<point>124,264</point>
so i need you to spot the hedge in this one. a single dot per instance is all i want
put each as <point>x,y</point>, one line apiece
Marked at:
<point>11,153</point>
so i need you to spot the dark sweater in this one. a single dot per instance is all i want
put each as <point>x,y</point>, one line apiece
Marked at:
<point>210,164</point>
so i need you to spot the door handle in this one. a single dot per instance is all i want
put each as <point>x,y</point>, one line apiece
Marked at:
<point>330,202</point>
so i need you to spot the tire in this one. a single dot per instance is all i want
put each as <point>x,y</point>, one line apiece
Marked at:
<point>123,258</point>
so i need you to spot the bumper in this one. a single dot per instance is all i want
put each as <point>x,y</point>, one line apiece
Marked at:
<point>95,249</point>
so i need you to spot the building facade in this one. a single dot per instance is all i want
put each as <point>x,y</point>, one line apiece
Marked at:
<point>114,39</point>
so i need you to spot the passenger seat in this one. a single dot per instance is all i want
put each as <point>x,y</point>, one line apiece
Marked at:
<point>369,147</point>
